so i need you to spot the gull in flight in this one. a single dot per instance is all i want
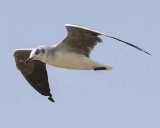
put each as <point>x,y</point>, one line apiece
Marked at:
<point>71,53</point>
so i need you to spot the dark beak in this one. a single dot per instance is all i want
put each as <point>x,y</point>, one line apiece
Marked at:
<point>28,60</point>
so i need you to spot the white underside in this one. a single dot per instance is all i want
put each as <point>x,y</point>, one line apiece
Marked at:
<point>74,61</point>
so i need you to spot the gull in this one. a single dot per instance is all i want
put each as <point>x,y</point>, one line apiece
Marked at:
<point>71,53</point>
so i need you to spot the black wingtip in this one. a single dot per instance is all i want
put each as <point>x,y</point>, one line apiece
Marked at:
<point>51,99</point>
<point>148,53</point>
<point>129,44</point>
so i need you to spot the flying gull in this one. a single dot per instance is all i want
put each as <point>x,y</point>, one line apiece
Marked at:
<point>71,53</point>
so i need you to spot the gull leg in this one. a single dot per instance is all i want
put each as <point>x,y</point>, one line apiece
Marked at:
<point>103,68</point>
<point>100,68</point>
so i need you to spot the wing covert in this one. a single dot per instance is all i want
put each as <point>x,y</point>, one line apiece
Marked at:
<point>80,39</point>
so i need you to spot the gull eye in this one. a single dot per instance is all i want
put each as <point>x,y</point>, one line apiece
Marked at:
<point>37,52</point>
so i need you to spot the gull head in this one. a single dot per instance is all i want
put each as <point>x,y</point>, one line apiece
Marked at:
<point>36,54</point>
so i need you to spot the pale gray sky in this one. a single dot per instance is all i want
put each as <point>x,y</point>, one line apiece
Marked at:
<point>126,97</point>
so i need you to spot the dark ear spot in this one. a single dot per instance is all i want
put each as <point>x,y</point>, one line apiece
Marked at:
<point>37,52</point>
<point>43,50</point>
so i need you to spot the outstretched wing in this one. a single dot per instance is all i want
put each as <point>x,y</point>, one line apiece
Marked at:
<point>83,40</point>
<point>34,72</point>
<point>80,39</point>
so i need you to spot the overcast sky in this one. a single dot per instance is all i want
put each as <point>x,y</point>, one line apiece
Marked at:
<point>126,97</point>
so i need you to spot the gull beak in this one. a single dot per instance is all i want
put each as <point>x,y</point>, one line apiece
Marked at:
<point>28,60</point>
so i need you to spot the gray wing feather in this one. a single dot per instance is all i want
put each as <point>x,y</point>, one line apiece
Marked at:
<point>34,72</point>
<point>83,40</point>
<point>80,39</point>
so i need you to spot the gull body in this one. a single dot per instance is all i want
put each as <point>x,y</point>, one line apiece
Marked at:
<point>59,57</point>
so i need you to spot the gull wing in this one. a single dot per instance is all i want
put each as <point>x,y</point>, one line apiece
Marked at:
<point>34,72</point>
<point>82,40</point>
